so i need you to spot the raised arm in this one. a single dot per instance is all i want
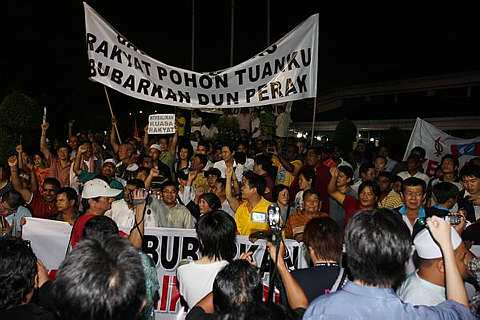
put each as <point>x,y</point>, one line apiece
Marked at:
<point>332,187</point>
<point>43,142</point>
<point>139,197</point>
<point>232,200</point>
<point>17,185</point>
<point>295,295</point>
<point>172,145</point>
<point>145,137</point>
<point>287,165</point>
<point>113,138</point>
<point>77,166</point>
<point>440,231</point>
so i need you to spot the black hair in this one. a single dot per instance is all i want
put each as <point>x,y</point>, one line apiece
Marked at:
<point>413,182</point>
<point>189,148</point>
<point>100,228</point>
<point>205,144</point>
<point>450,157</point>
<point>470,170</point>
<point>139,184</point>
<point>202,157</point>
<point>373,185</point>
<point>13,198</point>
<point>53,182</point>
<point>324,236</point>
<point>419,151</point>
<point>100,280</point>
<point>310,192</point>
<point>240,157</point>
<point>365,167</point>
<point>387,175</point>
<point>346,170</point>
<point>443,191</point>
<point>169,183</point>
<point>255,181</point>
<point>308,173</point>
<point>266,162</point>
<point>276,191</point>
<point>236,286</point>
<point>216,232</point>
<point>223,182</point>
<point>229,145</point>
<point>214,171</point>
<point>212,200</point>
<point>18,268</point>
<point>382,157</point>
<point>70,193</point>
<point>378,245</point>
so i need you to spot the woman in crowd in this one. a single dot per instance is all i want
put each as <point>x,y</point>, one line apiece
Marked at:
<point>184,155</point>
<point>281,197</point>
<point>208,203</point>
<point>306,181</point>
<point>216,233</point>
<point>263,166</point>
<point>311,209</point>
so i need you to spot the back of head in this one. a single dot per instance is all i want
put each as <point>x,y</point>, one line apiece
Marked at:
<point>18,268</point>
<point>100,280</point>
<point>237,286</point>
<point>216,232</point>
<point>444,191</point>
<point>13,199</point>
<point>324,237</point>
<point>100,228</point>
<point>378,246</point>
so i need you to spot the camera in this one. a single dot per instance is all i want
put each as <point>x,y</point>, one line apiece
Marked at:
<point>453,219</point>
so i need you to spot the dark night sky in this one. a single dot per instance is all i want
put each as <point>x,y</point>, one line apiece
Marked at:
<point>43,50</point>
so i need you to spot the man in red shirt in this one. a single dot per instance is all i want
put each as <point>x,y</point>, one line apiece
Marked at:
<point>41,203</point>
<point>97,198</point>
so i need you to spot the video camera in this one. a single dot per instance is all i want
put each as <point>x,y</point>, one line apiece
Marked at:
<point>274,234</point>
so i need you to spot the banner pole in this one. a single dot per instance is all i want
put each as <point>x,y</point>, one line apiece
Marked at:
<point>313,120</point>
<point>111,112</point>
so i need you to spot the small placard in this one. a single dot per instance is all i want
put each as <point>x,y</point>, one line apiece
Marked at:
<point>161,124</point>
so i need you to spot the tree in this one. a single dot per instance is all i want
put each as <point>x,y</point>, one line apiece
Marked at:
<point>345,135</point>
<point>20,116</point>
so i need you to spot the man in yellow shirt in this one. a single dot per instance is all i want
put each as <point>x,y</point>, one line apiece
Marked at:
<point>251,213</point>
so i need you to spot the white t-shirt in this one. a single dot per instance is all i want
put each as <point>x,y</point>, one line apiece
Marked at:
<point>220,165</point>
<point>417,291</point>
<point>125,217</point>
<point>196,280</point>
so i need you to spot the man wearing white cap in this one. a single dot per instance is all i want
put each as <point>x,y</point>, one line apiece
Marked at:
<point>426,286</point>
<point>97,197</point>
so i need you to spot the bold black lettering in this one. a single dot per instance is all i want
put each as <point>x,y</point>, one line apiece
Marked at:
<point>205,81</point>
<point>129,58</point>
<point>103,48</point>
<point>117,76</point>
<point>184,96</point>
<point>190,78</point>
<point>91,39</point>
<point>267,70</point>
<point>190,248</point>
<point>138,66</point>
<point>249,94</point>
<point>292,60</point>
<point>150,246</point>
<point>264,265</point>
<point>221,80</point>
<point>162,72</point>
<point>239,74</point>
<point>232,97</point>
<point>262,93</point>
<point>171,263</point>
<point>147,67</point>
<point>91,67</point>
<point>306,60</point>
<point>144,84</point>
<point>175,76</point>
<point>171,95</point>
<point>251,77</point>
<point>116,54</point>
<point>220,99</point>
<point>203,99</point>
<point>157,90</point>
<point>275,87</point>
<point>301,83</point>
<point>101,70</point>
<point>130,83</point>
<point>290,87</point>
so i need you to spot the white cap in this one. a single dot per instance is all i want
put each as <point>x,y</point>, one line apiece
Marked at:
<point>98,188</point>
<point>427,248</point>
<point>110,160</point>
<point>156,147</point>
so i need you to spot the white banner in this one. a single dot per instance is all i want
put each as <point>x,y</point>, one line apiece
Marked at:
<point>438,143</point>
<point>167,247</point>
<point>285,71</point>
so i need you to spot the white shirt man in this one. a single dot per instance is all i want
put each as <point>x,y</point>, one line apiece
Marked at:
<point>125,216</point>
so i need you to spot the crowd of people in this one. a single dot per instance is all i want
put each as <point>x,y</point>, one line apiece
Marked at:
<point>358,214</point>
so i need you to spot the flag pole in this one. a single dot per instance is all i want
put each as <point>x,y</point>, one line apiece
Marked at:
<point>313,120</point>
<point>111,112</point>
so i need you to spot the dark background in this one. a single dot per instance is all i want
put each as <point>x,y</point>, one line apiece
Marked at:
<point>43,47</point>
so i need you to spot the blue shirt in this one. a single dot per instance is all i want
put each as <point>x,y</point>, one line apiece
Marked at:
<point>370,303</point>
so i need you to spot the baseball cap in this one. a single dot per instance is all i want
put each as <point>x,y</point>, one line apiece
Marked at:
<point>110,160</point>
<point>98,188</point>
<point>156,147</point>
<point>427,248</point>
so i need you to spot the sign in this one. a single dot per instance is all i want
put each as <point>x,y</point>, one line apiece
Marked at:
<point>167,247</point>
<point>438,143</point>
<point>161,124</point>
<point>285,71</point>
